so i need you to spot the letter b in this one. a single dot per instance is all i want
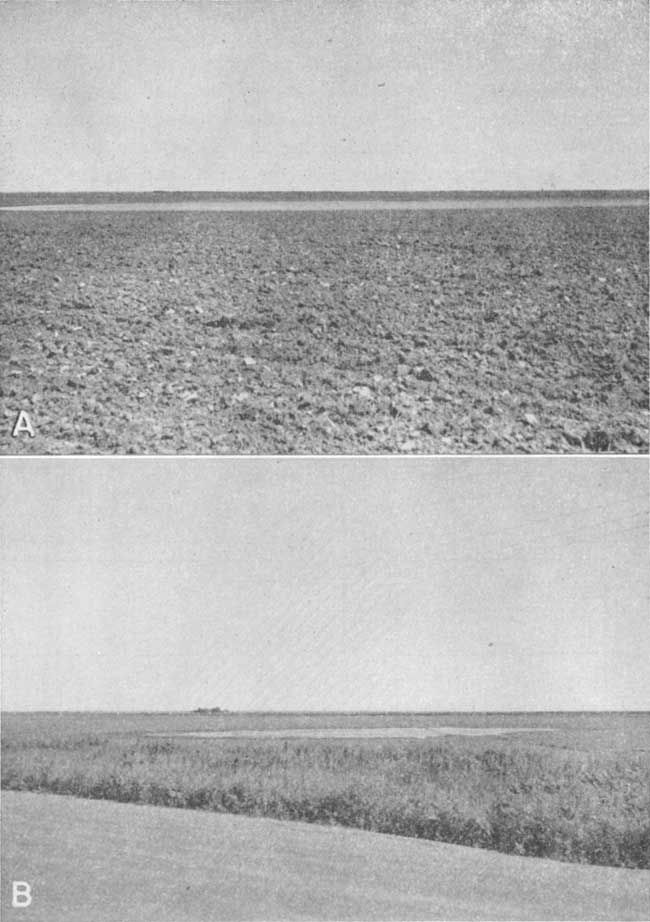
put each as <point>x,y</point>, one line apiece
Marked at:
<point>21,894</point>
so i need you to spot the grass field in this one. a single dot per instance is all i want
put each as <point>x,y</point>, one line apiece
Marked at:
<point>580,793</point>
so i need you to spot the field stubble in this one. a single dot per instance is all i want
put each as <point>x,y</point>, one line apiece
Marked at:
<point>442,332</point>
<point>564,796</point>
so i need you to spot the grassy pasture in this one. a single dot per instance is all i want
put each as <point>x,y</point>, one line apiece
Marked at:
<point>580,793</point>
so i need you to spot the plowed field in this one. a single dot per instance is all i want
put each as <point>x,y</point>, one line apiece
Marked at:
<point>326,332</point>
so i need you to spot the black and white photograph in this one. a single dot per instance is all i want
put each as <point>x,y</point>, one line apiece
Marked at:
<point>324,460</point>
<point>306,227</point>
<point>325,689</point>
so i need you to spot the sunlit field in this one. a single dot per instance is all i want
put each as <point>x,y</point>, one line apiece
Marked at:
<point>577,791</point>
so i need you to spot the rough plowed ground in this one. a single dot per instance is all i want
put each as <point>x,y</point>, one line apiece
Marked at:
<point>326,332</point>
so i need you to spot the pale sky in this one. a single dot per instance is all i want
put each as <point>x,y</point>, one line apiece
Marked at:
<point>324,94</point>
<point>381,584</point>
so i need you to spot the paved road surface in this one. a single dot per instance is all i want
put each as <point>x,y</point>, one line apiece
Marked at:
<point>95,861</point>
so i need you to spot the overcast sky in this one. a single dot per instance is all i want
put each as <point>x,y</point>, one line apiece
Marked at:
<point>325,584</point>
<point>320,94</point>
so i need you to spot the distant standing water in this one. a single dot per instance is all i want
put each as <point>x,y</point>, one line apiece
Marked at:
<point>418,733</point>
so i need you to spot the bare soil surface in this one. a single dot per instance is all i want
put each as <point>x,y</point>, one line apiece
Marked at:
<point>408,331</point>
<point>108,862</point>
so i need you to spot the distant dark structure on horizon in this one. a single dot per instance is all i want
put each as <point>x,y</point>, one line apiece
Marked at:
<point>208,711</point>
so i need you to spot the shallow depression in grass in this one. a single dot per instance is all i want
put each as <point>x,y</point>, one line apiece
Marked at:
<point>355,732</point>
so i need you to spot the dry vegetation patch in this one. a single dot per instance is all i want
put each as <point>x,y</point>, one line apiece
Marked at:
<point>513,795</point>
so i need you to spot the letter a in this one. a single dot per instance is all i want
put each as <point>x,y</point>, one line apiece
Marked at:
<point>21,894</point>
<point>23,424</point>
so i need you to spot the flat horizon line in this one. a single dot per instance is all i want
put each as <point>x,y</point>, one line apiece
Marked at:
<point>612,190</point>
<point>321,712</point>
